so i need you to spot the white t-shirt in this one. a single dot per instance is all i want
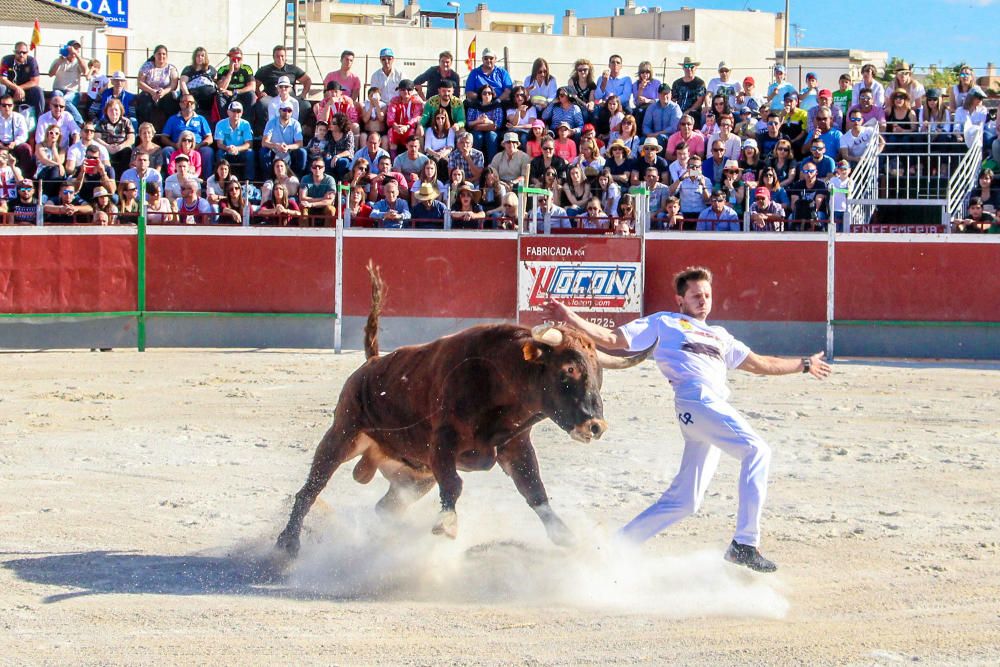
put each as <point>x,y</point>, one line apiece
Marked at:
<point>878,92</point>
<point>856,145</point>
<point>67,77</point>
<point>78,152</point>
<point>719,87</point>
<point>692,355</point>
<point>838,193</point>
<point>98,84</point>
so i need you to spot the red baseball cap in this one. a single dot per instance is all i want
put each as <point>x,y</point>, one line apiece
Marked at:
<point>826,93</point>
<point>750,80</point>
<point>762,192</point>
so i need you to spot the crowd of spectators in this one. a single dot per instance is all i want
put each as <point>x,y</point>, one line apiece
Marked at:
<point>414,149</point>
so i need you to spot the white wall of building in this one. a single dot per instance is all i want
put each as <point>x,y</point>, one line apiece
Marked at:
<point>214,24</point>
<point>53,38</point>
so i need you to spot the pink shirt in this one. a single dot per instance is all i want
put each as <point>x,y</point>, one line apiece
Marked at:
<point>696,143</point>
<point>194,157</point>
<point>566,150</point>
<point>350,82</point>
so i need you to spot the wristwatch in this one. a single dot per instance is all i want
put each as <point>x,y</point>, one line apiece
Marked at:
<point>806,364</point>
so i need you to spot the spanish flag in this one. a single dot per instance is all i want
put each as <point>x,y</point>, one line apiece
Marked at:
<point>471,61</point>
<point>36,36</point>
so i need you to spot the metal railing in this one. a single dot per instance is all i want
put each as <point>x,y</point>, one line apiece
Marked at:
<point>964,178</point>
<point>864,185</point>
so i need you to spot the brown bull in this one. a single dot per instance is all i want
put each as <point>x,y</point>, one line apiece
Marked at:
<point>463,402</point>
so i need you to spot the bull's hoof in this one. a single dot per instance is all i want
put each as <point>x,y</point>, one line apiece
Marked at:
<point>289,544</point>
<point>447,524</point>
<point>559,532</point>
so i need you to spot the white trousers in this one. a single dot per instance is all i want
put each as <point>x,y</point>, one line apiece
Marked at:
<point>710,428</point>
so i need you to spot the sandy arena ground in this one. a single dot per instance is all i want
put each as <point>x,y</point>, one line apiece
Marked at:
<point>141,492</point>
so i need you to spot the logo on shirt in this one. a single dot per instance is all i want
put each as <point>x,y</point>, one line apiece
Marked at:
<point>593,285</point>
<point>702,348</point>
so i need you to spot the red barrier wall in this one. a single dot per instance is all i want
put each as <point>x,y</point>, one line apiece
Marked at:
<point>428,277</point>
<point>67,273</point>
<point>917,281</point>
<point>754,280</point>
<point>763,280</point>
<point>273,274</point>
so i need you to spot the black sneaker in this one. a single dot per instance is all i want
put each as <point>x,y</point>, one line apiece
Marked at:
<point>744,554</point>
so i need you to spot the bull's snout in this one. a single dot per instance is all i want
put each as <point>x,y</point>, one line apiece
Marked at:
<point>589,430</point>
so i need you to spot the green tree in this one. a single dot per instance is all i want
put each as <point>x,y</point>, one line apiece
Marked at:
<point>889,73</point>
<point>942,78</point>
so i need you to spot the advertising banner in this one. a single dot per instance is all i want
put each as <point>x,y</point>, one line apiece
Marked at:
<point>114,12</point>
<point>599,277</point>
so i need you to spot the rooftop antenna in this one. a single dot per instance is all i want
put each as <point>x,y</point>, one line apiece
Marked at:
<point>798,32</point>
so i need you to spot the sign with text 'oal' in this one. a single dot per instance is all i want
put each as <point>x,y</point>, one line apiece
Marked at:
<point>114,12</point>
<point>599,277</point>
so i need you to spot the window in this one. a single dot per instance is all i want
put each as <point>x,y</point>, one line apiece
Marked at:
<point>686,33</point>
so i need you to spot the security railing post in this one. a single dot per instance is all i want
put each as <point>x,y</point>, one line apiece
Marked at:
<point>40,209</point>
<point>247,211</point>
<point>141,269</point>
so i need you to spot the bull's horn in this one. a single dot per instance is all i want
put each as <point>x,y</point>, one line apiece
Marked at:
<point>548,334</point>
<point>613,363</point>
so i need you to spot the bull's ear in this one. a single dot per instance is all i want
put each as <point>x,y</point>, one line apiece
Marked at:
<point>533,352</point>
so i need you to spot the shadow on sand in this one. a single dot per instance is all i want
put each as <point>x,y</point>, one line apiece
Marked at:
<point>102,572</point>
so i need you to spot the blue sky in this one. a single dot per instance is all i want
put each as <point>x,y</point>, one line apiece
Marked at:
<point>922,31</point>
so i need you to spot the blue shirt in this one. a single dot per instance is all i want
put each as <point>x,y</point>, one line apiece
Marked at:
<point>727,221</point>
<point>498,79</point>
<point>778,101</point>
<point>230,136</point>
<point>283,134</point>
<point>831,139</point>
<point>197,125</point>
<point>661,118</point>
<point>127,99</point>
<point>824,167</point>
<point>555,114</point>
<point>381,207</point>
<point>372,159</point>
<point>619,85</point>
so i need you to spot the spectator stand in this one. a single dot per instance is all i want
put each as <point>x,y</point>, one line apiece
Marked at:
<point>918,183</point>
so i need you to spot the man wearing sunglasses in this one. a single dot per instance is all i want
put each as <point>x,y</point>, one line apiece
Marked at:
<point>188,120</point>
<point>854,142</point>
<point>58,116</point>
<point>19,78</point>
<point>235,83</point>
<point>809,197</point>
<point>14,134</point>
<point>719,216</point>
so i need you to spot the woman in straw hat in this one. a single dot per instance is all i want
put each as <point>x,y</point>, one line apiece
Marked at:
<point>466,213</point>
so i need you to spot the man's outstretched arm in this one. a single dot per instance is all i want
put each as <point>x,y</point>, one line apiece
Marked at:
<point>606,338</point>
<point>765,365</point>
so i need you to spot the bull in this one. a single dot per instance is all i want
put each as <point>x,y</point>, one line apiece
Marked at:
<point>465,402</point>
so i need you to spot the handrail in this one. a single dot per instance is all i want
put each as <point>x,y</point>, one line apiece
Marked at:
<point>864,184</point>
<point>964,178</point>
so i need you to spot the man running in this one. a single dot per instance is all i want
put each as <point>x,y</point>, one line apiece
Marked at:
<point>694,357</point>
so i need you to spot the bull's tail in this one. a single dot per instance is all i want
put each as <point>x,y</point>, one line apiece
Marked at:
<point>378,295</point>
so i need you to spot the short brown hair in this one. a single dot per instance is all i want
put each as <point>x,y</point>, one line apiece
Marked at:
<point>691,274</point>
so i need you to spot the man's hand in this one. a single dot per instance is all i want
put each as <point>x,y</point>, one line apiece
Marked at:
<point>555,311</point>
<point>818,367</point>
